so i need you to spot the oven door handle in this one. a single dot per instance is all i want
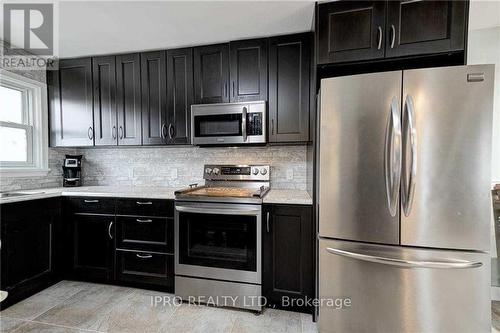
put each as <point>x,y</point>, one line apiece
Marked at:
<point>219,211</point>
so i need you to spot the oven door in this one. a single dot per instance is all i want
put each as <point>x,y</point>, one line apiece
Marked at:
<point>218,241</point>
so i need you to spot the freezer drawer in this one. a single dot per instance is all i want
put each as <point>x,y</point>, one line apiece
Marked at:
<point>418,290</point>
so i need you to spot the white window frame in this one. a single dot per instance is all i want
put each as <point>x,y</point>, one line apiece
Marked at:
<point>36,114</point>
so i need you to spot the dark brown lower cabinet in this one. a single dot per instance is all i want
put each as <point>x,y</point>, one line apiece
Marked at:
<point>28,249</point>
<point>126,241</point>
<point>145,268</point>
<point>288,256</point>
<point>93,247</point>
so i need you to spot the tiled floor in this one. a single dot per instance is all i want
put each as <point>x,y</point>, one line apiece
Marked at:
<point>84,307</point>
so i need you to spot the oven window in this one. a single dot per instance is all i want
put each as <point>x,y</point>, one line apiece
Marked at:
<point>218,125</point>
<point>221,241</point>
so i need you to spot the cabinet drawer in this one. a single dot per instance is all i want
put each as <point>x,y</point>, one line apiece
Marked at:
<point>145,233</point>
<point>145,207</point>
<point>145,268</point>
<point>94,205</point>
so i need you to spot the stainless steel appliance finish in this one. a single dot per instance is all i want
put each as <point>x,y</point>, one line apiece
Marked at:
<point>356,114</point>
<point>245,296</point>
<point>229,123</point>
<point>212,272</point>
<point>440,291</point>
<point>426,135</point>
<point>229,183</point>
<point>218,234</point>
<point>452,136</point>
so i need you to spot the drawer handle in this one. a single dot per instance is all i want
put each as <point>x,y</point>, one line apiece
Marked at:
<point>143,256</point>
<point>144,203</point>
<point>91,201</point>
<point>144,221</point>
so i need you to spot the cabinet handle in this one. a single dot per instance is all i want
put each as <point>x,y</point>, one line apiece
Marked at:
<point>143,256</point>
<point>121,132</point>
<point>91,201</point>
<point>379,45</point>
<point>113,132</point>
<point>393,35</point>
<point>163,130</point>
<point>234,92</point>
<point>267,222</point>
<point>90,133</point>
<point>272,126</point>
<point>144,202</point>
<point>170,131</point>
<point>144,221</point>
<point>225,89</point>
<point>109,230</point>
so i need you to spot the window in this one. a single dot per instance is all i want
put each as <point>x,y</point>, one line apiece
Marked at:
<point>23,126</point>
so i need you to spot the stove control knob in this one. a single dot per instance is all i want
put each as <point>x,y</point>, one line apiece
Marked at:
<point>208,171</point>
<point>263,171</point>
<point>216,171</point>
<point>255,171</point>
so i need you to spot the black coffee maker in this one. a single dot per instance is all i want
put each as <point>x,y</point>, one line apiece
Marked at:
<point>72,171</point>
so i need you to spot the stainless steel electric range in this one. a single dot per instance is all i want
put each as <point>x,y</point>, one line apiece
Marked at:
<point>218,237</point>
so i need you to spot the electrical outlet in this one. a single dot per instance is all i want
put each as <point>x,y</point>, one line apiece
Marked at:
<point>173,173</point>
<point>289,174</point>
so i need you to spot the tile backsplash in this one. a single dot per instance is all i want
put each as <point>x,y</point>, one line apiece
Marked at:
<point>178,167</point>
<point>53,179</point>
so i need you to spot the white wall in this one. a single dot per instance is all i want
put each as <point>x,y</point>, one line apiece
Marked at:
<point>484,48</point>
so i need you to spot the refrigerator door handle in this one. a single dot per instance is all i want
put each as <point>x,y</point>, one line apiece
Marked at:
<point>392,160</point>
<point>451,264</point>
<point>409,180</point>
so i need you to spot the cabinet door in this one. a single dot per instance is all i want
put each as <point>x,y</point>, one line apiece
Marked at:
<point>423,27</point>
<point>93,246</point>
<point>154,98</point>
<point>104,79</point>
<point>211,74</point>
<point>180,95</point>
<point>26,243</point>
<point>289,77</point>
<point>288,254</point>
<point>350,31</point>
<point>71,117</point>
<point>128,99</point>
<point>248,70</point>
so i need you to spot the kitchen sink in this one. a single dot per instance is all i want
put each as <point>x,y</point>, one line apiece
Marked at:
<point>17,194</point>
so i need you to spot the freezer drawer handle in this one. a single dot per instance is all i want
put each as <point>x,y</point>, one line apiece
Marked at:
<point>455,264</point>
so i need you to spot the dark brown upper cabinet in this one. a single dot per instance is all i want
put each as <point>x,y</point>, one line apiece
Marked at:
<point>70,96</point>
<point>180,95</point>
<point>423,27</point>
<point>104,82</point>
<point>354,31</point>
<point>211,74</point>
<point>154,98</point>
<point>351,31</point>
<point>128,99</point>
<point>289,90</point>
<point>248,70</point>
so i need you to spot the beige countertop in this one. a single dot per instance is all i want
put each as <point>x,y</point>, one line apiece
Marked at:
<point>295,197</point>
<point>290,197</point>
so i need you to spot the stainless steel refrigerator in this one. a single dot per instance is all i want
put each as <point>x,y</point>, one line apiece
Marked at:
<point>404,201</point>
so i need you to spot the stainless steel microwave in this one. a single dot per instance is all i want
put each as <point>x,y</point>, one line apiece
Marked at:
<point>228,123</point>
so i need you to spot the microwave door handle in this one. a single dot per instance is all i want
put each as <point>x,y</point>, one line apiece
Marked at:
<point>244,124</point>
